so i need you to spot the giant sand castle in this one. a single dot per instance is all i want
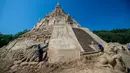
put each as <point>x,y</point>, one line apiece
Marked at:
<point>68,44</point>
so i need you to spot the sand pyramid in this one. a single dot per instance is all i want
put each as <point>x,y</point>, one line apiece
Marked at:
<point>67,40</point>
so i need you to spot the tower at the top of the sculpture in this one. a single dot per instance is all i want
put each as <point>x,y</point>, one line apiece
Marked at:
<point>58,11</point>
<point>57,16</point>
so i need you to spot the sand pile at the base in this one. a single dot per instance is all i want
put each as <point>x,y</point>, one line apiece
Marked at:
<point>84,65</point>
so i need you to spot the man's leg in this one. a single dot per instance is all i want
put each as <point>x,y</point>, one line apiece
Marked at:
<point>45,56</point>
<point>40,58</point>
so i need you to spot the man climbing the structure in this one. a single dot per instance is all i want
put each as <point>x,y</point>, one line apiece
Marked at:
<point>41,51</point>
<point>129,46</point>
<point>101,47</point>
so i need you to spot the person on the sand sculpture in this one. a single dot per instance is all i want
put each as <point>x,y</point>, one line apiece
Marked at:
<point>129,46</point>
<point>41,50</point>
<point>101,47</point>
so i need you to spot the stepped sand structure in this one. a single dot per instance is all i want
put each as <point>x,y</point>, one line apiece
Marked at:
<point>67,42</point>
<point>66,36</point>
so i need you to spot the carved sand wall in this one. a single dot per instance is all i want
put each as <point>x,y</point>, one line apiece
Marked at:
<point>63,44</point>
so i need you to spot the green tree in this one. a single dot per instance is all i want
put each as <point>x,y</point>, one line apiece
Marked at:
<point>116,35</point>
<point>6,38</point>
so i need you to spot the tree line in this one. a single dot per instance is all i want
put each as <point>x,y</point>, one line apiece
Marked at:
<point>121,36</point>
<point>6,38</point>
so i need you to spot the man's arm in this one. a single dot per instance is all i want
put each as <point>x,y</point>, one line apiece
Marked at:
<point>45,46</point>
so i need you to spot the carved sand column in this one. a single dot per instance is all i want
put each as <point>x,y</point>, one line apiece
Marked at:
<point>63,45</point>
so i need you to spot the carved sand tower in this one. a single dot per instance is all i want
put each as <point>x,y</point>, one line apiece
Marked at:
<point>67,40</point>
<point>66,36</point>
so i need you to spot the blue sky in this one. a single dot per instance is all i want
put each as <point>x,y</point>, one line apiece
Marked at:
<point>17,15</point>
